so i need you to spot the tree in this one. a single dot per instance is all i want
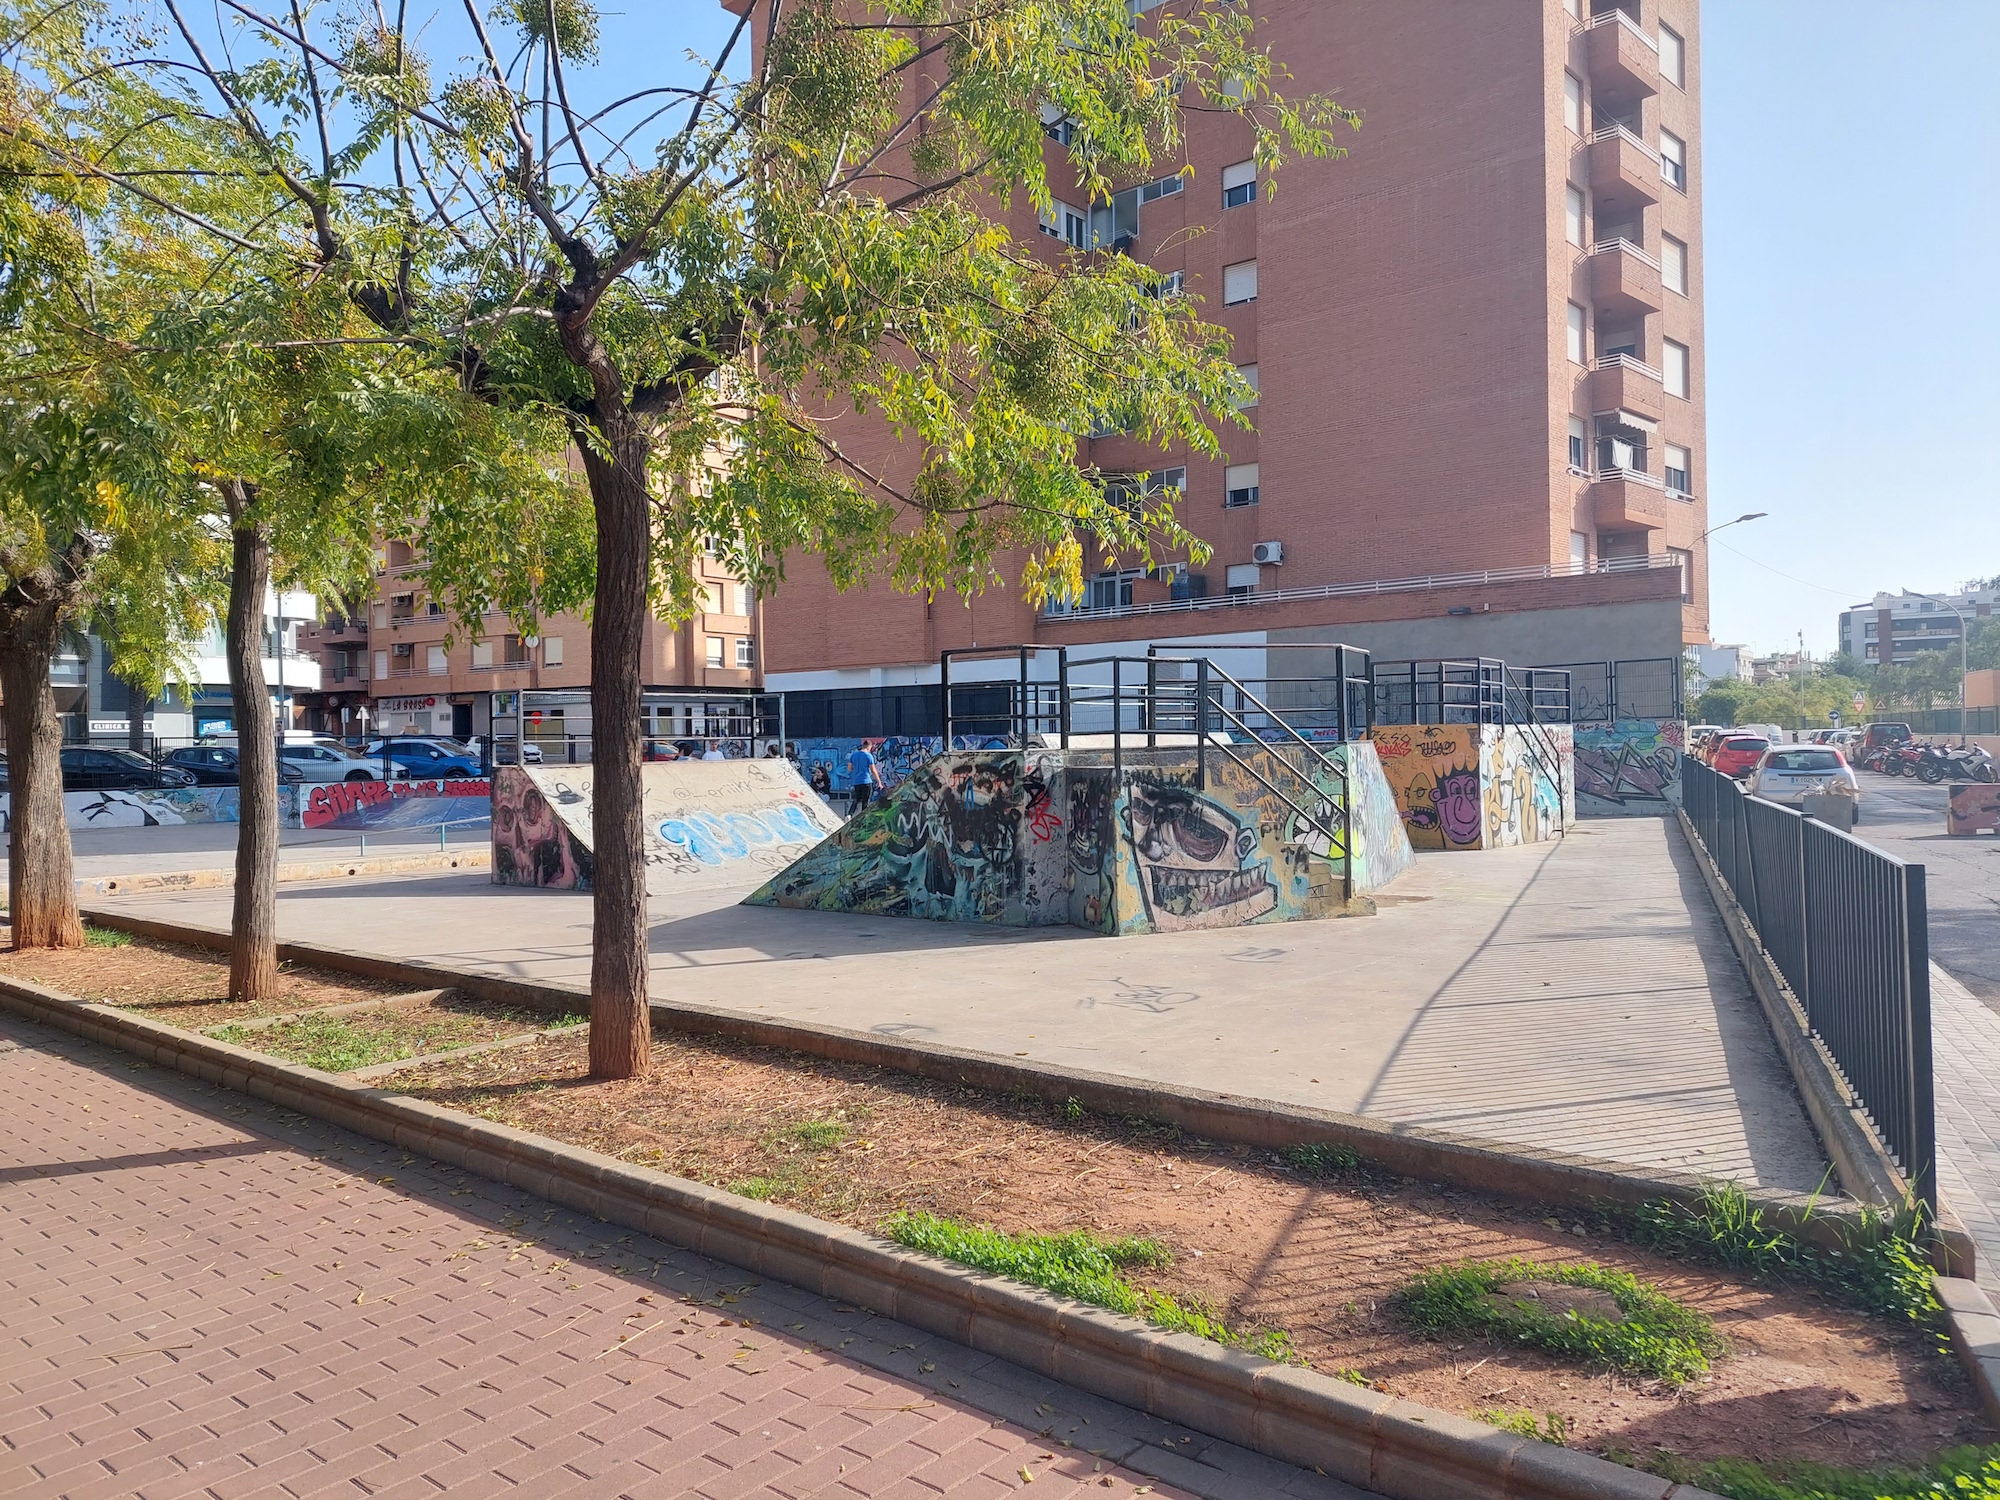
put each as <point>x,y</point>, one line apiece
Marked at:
<point>702,272</point>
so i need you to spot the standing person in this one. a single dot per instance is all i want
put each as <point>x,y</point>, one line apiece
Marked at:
<point>714,751</point>
<point>863,776</point>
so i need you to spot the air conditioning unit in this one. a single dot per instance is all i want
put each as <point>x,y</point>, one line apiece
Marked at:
<point>1268,554</point>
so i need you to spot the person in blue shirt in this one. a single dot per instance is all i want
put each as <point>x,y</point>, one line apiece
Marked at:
<point>862,779</point>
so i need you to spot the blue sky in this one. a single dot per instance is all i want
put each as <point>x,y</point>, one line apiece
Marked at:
<point>1853,319</point>
<point>1852,239</point>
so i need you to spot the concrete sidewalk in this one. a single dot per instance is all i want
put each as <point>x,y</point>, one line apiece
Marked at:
<point>212,846</point>
<point>1579,995</point>
<point>206,1296</point>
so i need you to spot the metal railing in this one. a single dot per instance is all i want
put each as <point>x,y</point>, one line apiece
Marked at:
<point>1847,927</point>
<point>1646,687</point>
<point>1615,131</point>
<point>1619,18</point>
<point>1522,574</point>
<point>1481,690</point>
<point>1617,472</point>
<point>1628,362</point>
<point>1622,246</point>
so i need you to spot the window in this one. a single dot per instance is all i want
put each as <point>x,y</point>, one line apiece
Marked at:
<point>746,599</point>
<point>1674,367</point>
<point>1573,214</point>
<point>1673,264</point>
<point>1239,484</point>
<point>433,609</point>
<point>381,664</point>
<point>1243,577</point>
<point>1249,374</point>
<point>1239,184</point>
<point>1114,221</point>
<point>1172,284</point>
<point>746,651</point>
<point>403,607</point>
<point>1239,283</point>
<point>552,651</point>
<point>1673,159</point>
<point>1110,590</point>
<point>514,650</point>
<point>1573,102</point>
<point>1684,560</point>
<point>482,654</point>
<point>1574,7</point>
<point>1579,550</point>
<point>1056,125</point>
<point>436,663</point>
<point>1579,444</point>
<point>1872,629</point>
<point>381,616</point>
<point>1165,187</point>
<point>1576,326</point>
<point>1673,57</point>
<point>1677,470</point>
<point>714,646</point>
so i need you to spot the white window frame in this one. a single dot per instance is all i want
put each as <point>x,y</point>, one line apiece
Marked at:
<point>1673,160</point>
<point>1575,209</point>
<point>712,650</point>
<point>1683,559</point>
<point>1676,360</point>
<point>1239,184</point>
<point>746,651</point>
<point>1239,283</point>
<point>1673,57</point>
<point>1162,187</point>
<point>436,662</point>
<point>552,650</point>
<point>1673,264</point>
<point>1579,550</point>
<point>482,654</point>
<point>1573,103</point>
<point>1577,331</point>
<point>1579,444</point>
<point>1240,487</point>
<point>1249,374</point>
<point>1685,467</point>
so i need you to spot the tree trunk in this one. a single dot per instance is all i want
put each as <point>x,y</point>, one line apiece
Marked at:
<point>253,958</point>
<point>621,1034</point>
<point>41,896</point>
<point>137,701</point>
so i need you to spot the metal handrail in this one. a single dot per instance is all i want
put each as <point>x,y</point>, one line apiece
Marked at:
<point>1627,362</point>
<point>1633,476</point>
<point>1619,18</point>
<point>1619,244</point>
<point>1616,131</point>
<point>1522,574</point>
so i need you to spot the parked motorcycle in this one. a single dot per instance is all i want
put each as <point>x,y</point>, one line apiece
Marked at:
<point>1966,763</point>
<point>1903,759</point>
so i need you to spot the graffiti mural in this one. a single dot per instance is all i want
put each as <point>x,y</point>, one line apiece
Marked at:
<point>396,804</point>
<point>1480,786</point>
<point>1199,864</point>
<point>532,842</point>
<point>149,808</point>
<point>896,756</point>
<point>1974,808</point>
<point>1377,838</point>
<point>1631,768</point>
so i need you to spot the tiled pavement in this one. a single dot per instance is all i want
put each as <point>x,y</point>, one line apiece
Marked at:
<point>1965,1059</point>
<point>202,1295</point>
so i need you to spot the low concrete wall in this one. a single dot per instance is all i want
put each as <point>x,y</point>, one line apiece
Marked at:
<point>1629,769</point>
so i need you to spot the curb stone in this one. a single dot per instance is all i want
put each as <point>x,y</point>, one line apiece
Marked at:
<point>148,883</point>
<point>1523,1174</point>
<point>1975,1334</point>
<point>1397,1448</point>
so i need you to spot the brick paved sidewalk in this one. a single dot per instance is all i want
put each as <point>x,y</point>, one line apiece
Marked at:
<point>1965,1058</point>
<point>203,1295</point>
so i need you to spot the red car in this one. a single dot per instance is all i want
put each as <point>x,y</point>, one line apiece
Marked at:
<point>1738,754</point>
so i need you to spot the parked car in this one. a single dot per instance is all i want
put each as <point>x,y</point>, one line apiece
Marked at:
<point>93,768</point>
<point>1737,754</point>
<point>329,760</point>
<point>217,765</point>
<point>429,760</point>
<point>1791,773</point>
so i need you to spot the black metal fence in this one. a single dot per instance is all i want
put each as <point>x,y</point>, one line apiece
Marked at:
<point>1847,926</point>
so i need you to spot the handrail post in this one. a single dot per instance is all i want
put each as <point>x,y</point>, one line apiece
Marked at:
<point>1117,723</point>
<point>1024,698</point>
<point>1062,696</point>
<point>944,695</point>
<point>1921,1168</point>
<point>1201,725</point>
<point>1340,698</point>
<point>1152,697</point>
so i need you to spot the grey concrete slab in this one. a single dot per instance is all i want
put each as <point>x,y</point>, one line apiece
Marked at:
<point>1579,995</point>
<point>97,852</point>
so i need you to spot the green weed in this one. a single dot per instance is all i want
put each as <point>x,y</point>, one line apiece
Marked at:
<point>1881,1269</point>
<point>1957,1474</point>
<point>1657,1336</point>
<point>1321,1159</point>
<point>818,1135</point>
<point>1072,1112</point>
<point>1352,1377</point>
<point>1085,1268</point>
<point>329,1043</point>
<point>106,937</point>
<point>1553,1427</point>
<point>782,1182</point>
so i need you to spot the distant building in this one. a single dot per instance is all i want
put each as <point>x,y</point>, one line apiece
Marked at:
<point>1910,623</point>
<point>1720,663</point>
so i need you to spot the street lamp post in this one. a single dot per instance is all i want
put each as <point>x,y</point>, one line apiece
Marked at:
<point>1964,655</point>
<point>1753,515</point>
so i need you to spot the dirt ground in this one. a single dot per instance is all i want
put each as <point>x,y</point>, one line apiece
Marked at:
<point>179,985</point>
<point>1251,1238</point>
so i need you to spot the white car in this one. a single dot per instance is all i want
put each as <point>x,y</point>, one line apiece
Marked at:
<point>329,760</point>
<point>1791,773</point>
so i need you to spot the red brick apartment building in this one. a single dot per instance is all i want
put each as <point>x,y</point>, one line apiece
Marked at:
<point>1477,341</point>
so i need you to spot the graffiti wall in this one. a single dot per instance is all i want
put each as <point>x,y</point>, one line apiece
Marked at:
<point>1631,768</point>
<point>1378,842</point>
<point>1974,808</point>
<point>706,823</point>
<point>153,809</point>
<point>896,756</point>
<point>1480,786</point>
<point>1044,837</point>
<point>396,804</point>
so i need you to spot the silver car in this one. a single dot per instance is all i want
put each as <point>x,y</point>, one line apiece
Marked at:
<point>1791,773</point>
<point>328,760</point>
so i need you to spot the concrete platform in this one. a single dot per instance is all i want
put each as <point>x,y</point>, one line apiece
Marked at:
<point>1579,995</point>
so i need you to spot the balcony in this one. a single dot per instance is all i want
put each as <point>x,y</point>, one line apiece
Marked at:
<point>1624,280</point>
<point>1624,170</point>
<point>1624,62</point>
<point>1621,383</point>
<point>1629,500</point>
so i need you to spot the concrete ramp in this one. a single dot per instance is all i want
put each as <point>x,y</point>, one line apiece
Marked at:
<point>1034,838</point>
<point>707,823</point>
